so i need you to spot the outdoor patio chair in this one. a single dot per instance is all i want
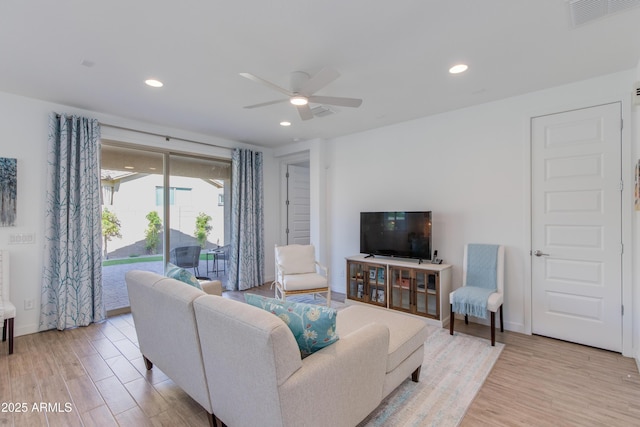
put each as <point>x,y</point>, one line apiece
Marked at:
<point>186,257</point>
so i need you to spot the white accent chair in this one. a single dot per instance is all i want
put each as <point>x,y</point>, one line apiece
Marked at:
<point>298,272</point>
<point>483,273</point>
<point>7,309</point>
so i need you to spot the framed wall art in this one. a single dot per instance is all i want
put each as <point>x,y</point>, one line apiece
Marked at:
<point>8,191</point>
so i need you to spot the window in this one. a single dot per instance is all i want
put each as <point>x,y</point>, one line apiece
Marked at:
<point>179,196</point>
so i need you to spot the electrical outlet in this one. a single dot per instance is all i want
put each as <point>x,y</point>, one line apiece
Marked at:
<point>29,304</point>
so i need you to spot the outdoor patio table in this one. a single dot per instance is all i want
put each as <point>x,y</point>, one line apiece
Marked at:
<point>214,258</point>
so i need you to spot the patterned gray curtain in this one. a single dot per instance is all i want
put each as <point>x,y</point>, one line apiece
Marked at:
<point>246,257</point>
<point>72,275</point>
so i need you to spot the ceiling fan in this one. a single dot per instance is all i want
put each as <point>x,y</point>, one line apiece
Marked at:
<point>302,91</point>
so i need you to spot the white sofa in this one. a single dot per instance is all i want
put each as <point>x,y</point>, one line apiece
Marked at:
<point>243,364</point>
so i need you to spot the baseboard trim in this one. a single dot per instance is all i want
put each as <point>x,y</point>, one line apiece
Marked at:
<point>26,330</point>
<point>118,311</point>
<point>508,326</point>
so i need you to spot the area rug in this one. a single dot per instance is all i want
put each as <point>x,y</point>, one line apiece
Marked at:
<point>453,371</point>
<point>309,299</point>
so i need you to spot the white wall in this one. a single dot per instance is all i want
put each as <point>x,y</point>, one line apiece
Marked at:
<point>470,167</point>
<point>24,130</point>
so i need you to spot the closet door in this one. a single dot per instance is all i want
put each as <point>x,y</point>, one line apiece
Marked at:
<point>577,226</point>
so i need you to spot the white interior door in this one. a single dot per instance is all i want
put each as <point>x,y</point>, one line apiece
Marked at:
<point>576,226</point>
<point>298,205</point>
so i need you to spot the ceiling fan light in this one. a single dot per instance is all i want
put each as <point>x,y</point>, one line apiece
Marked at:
<point>285,123</point>
<point>153,83</point>
<point>299,100</point>
<point>459,68</point>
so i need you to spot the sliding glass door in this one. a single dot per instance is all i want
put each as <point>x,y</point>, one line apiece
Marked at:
<point>161,207</point>
<point>195,204</point>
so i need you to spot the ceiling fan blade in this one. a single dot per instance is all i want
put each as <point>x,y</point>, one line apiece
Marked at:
<point>305,112</point>
<point>266,83</point>
<point>334,100</point>
<point>320,80</point>
<point>264,104</point>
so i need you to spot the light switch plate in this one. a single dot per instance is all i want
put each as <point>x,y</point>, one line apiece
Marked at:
<point>22,239</point>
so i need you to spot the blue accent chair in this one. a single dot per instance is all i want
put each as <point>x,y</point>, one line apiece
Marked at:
<point>482,287</point>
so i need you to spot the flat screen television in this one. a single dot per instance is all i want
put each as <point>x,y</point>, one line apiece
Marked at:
<point>396,234</point>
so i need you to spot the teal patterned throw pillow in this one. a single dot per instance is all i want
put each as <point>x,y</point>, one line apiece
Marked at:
<point>313,326</point>
<point>179,273</point>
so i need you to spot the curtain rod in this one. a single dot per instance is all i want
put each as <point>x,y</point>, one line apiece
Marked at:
<point>166,137</point>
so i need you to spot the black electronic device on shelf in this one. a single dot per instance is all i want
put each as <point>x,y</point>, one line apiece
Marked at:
<point>404,234</point>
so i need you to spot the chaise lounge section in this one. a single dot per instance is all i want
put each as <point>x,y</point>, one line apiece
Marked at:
<point>406,341</point>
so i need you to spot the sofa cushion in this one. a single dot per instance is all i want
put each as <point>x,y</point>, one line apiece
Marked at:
<point>313,326</point>
<point>406,333</point>
<point>304,281</point>
<point>296,259</point>
<point>179,273</point>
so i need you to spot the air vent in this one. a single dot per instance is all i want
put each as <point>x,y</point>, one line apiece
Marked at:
<point>583,11</point>
<point>636,94</point>
<point>322,111</point>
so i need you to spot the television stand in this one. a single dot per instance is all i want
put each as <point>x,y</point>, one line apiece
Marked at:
<point>412,287</point>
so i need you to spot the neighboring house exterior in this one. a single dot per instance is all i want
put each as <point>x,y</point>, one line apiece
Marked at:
<point>131,196</point>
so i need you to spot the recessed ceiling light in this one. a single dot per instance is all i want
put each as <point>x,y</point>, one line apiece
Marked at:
<point>285,123</point>
<point>129,167</point>
<point>299,100</point>
<point>459,68</point>
<point>154,83</point>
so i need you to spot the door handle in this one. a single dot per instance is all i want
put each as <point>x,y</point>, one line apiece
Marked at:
<point>539,253</point>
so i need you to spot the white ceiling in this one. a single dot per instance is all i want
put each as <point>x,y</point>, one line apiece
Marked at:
<point>392,54</point>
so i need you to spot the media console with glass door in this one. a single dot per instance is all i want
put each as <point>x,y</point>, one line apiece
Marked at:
<point>403,285</point>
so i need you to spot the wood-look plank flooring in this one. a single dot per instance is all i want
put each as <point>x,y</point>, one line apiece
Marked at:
<point>539,381</point>
<point>95,376</point>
